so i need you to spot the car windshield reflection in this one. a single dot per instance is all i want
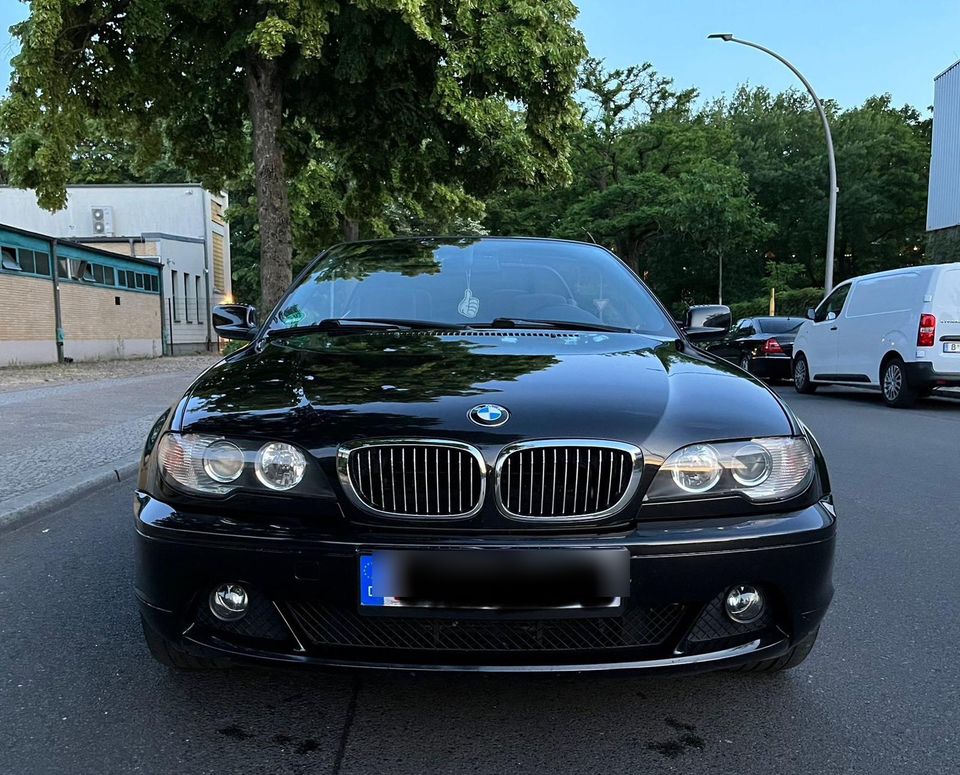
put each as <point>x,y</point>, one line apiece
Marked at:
<point>469,282</point>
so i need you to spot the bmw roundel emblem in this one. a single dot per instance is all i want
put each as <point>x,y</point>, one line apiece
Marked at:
<point>490,415</point>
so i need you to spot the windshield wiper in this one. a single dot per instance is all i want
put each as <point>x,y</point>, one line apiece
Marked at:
<point>356,325</point>
<point>334,325</point>
<point>558,324</point>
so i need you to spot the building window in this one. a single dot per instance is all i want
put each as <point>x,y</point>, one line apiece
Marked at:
<point>108,277</point>
<point>199,316</point>
<point>216,212</point>
<point>8,259</point>
<point>186,296</point>
<point>219,262</point>
<point>173,295</point>
<point>23,260</point>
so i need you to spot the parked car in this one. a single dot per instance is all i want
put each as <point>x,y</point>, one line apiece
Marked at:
<point>896,331</point>
<point>479,454</point>
<point>761,345</point>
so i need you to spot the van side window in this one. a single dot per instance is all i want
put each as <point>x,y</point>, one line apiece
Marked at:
<point>833,303</point>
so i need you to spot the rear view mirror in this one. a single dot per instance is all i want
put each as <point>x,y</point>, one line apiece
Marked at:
<point>235,321</point>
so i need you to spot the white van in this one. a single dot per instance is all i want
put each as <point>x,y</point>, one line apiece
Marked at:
<point>898,331</point>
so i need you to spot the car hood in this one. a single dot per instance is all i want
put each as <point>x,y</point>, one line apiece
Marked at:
<point>322,390</point>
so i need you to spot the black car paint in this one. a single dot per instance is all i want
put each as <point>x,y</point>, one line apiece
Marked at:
<point>319,391</point>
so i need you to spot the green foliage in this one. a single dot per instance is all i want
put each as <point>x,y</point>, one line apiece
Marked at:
<point>374,101</point>
<point>674,191</point>
<point>654,182</point>
<point>794,302</point>
<point>943,245</point>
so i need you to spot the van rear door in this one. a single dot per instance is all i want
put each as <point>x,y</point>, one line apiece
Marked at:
<point>945,354</point>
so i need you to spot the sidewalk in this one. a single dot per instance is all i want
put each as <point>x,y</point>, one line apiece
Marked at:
<point>58,440</point>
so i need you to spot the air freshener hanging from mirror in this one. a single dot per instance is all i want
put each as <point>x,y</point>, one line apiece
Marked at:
<point>469,305</point>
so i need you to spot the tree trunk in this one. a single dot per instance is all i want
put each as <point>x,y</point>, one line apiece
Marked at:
<point>351,229</point>
<point>265,96</point>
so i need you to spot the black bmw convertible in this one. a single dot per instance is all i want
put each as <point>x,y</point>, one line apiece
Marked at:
<point>479,454</point>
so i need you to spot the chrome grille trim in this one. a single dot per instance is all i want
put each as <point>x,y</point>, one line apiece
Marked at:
<point>387,476</point>
<point>605,465</point>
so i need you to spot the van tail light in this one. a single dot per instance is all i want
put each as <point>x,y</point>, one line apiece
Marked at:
<point>928,331</point>
<point>772,347</point>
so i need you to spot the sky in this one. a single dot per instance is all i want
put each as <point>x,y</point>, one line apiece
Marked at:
<point>848,49</point>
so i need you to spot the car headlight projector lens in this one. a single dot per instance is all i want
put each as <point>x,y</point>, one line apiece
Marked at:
<point>696,468</point>
<point>223,461</point>
<point>280,466</point>
<point>752,465</point>
<point>768,469</point>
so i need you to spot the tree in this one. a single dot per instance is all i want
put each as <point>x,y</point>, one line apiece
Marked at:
<point>653,181</point>
<point>402,94</point>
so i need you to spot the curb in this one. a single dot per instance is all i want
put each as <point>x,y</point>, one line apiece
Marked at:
<point>50,497</point>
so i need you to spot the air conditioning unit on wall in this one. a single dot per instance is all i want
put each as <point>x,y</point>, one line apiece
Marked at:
<point>102,216</point>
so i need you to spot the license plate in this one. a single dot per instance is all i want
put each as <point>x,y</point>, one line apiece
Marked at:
<point>542,578</point>
<point>951,347</point>
<point>367,596</point>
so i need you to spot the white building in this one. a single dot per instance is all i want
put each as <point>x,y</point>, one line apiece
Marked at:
<point>179,225</point>
<point>943,202</point>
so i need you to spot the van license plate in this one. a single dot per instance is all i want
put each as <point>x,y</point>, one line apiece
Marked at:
<point>951,347</point>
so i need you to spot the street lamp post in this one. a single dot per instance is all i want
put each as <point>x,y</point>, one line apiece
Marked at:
<point>832,217</point>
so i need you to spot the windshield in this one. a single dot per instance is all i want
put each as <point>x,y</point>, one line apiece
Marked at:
<point>779,325</point>
<point>469,282</point>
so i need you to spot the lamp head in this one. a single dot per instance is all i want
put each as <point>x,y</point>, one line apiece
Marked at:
<point>725,36</point>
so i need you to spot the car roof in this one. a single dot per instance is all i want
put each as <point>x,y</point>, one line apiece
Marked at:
<point>903,270</point>
<point>441,239</point>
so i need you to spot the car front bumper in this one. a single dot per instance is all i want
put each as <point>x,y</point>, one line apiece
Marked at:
<point>304,597</point>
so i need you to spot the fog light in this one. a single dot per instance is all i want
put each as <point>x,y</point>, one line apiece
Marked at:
<point>228,602</point>
<point>743,604</point>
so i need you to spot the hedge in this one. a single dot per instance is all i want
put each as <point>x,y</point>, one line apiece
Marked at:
<point>794,302</point>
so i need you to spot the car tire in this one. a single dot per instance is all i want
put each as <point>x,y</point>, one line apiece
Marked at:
<point>894,387</point>
<point>167,654</point>
<point>745,363</point>
<point>795,656</point>
<point>801,376</point>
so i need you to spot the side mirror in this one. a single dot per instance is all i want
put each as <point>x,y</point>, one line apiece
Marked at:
<point>715,316</point>
<point>235,321</point>
<point>831,315</point>
<point>707,322</point>
<point>811,314</point>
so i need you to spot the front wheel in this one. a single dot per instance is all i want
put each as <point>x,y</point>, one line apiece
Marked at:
<point>894,387</point>
<point>801,376</point>
<point>745,363</point>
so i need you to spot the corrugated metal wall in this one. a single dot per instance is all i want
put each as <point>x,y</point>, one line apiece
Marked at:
<point>943,205</point>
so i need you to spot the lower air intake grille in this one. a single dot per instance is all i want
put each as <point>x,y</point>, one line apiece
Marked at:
<point>566,480</point>
<point>420,479</point>
<point>331,626</point>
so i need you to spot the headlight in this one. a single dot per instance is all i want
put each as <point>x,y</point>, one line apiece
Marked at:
<point>280,466</point>
<point>223,461</point>
<point>760,469</point>
<point>213,465</point>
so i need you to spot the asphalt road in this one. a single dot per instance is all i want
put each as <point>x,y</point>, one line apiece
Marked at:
<point>881,692</point>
